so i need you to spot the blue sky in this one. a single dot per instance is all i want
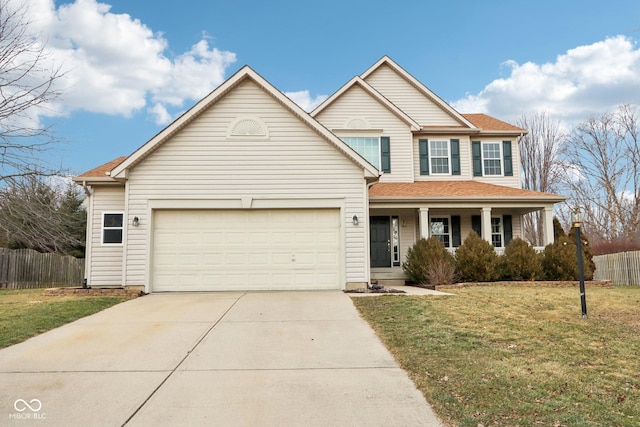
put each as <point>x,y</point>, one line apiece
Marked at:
<point>132,66</point>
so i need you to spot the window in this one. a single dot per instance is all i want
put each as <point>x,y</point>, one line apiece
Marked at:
<point>395,239</point>
<point>496,232</point>
<point>112,228</point>
<point>440,230</point>
<point>439,156</point>
<point>491,158</point>
<point>375,150</point>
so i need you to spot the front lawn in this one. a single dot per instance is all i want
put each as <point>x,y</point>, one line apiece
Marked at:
<point>27,312</point>
<point>512,356</point>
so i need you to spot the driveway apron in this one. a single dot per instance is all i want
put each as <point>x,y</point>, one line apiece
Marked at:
<point>211,359</point>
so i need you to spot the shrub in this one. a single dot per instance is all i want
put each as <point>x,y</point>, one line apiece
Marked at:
<point>559,260</point>
<point>427,261</point>
<point>442,272</point>
<point>476,260</point>
<point>520,261</point>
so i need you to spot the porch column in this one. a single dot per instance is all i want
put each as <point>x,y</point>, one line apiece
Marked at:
<point>486,224</point>
<point>547,222</point>
<point>424,222</point>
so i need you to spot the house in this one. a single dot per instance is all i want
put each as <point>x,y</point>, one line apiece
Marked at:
<point>246,191</point>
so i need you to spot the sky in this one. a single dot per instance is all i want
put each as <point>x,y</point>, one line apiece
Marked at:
<point>132,66</point>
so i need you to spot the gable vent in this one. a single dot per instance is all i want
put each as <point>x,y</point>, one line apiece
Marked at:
<point>248,126</point>
<point>357,123</point>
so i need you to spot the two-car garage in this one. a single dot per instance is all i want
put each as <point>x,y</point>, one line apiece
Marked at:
<point>246,249</point>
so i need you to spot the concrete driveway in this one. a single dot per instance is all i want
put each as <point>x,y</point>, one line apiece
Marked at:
<point>215,359</point>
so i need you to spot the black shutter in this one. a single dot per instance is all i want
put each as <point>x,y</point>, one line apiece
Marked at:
<point>507,223</point>
<point>476,224</point>
<point>455,231</point>
<point>385,154</point>
<point>455,157</point>
<point>424,156</point>
<point>476,149</point>
<point>508,159</point>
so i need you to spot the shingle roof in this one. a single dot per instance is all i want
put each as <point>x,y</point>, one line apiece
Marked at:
<point>489,123</point>
<point>101,171</point>
<point>453,189</point>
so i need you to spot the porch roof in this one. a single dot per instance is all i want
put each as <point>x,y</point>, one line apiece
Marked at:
<point>456,190</point>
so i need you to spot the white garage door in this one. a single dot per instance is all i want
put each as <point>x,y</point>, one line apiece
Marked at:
<point>279,249</point>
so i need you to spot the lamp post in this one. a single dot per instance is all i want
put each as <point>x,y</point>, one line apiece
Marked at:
<point>576,219</point>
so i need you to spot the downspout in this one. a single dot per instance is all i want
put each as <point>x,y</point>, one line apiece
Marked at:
<point>88,234</point>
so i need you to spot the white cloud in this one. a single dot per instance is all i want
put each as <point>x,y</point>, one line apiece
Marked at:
<point>304,100</point>
<point>586,80</point>
<point>117,65</point>
<point>160,114</point>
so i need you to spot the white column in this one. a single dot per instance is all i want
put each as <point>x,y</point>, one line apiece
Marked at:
<point>424,222</point>
<point>547,222</point>
<point>486,224</point>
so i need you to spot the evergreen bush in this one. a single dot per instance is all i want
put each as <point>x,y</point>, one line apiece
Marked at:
<point>476,260</point>
<point>520,261</point>
<point>428,261</point>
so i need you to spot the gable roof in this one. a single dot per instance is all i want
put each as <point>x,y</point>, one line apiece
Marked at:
<point>456,190</point>
<point>385,60</point>
<point>245,73</point>
<point>358,81</point>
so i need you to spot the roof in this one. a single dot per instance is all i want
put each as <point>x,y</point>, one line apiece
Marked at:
<point>102,171</point>
<point>486,122</point>
<point>455,190</point>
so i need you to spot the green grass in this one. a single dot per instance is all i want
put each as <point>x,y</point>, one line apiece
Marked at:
<point>512,356</point>
<point>27,312</point>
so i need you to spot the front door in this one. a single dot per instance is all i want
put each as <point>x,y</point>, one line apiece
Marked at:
<point>379,232</point>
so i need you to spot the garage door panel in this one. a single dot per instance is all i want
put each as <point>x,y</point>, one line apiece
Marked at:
<point>252,249</point>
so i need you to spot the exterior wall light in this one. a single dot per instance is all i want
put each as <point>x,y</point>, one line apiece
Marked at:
<point>355,220</point>
<point>136,221</point>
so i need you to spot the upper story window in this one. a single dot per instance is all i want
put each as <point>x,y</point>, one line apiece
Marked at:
<point>439,156</point>
<point>375,150</point>
<point>492,158</point>
<point>112,228</point>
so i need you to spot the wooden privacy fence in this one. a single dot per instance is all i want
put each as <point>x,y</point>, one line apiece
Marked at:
<point>26,268</point>
<point>622,269</point>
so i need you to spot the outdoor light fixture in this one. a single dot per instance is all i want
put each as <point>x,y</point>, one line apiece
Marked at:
<point>576,222</point>
<point>136,221</point>
<point>355,220</point>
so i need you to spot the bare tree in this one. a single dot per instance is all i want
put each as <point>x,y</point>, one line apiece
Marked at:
<point>541,164</point>
<point>27,79</point>
<point>42,214</point>
<point>604,179</point>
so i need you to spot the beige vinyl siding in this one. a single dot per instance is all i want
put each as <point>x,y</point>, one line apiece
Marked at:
<point>356,102</point>
<point>201,163</point>
<point>106,260</point>
<point>408,98</point>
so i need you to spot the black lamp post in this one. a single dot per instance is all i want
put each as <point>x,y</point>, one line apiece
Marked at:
<point>576,219</point>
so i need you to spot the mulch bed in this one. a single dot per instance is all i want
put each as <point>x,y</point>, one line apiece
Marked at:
<point>102,292</point>
<point>549,284</point>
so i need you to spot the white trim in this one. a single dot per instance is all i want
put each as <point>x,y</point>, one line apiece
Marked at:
<point>259,130</point>
<point>102,228</point>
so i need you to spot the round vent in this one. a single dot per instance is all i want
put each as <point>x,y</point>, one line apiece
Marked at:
<point>357,123</point>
